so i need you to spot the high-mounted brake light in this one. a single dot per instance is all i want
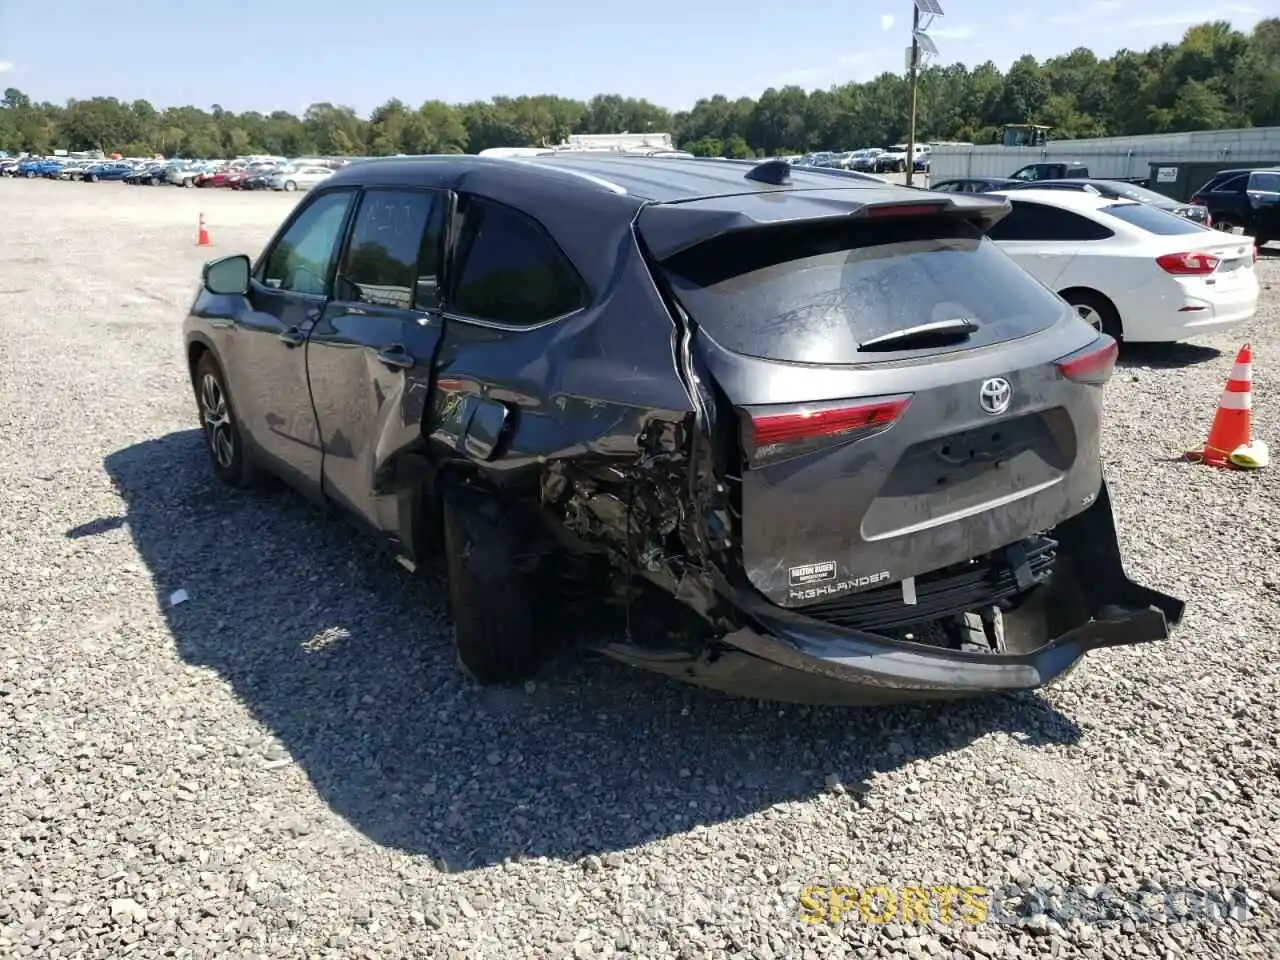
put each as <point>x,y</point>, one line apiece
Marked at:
<point>1094,364</point>
<point>767,434</point>
<point>886,210</point>
<point>1189,264</point>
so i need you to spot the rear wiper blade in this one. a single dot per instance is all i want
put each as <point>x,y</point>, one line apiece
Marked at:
<point>936,334</point>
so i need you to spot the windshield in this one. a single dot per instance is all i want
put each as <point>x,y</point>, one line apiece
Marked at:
<point>813,294</point>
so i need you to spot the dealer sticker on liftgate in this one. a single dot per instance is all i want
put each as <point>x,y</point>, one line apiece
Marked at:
<point>811,573</point>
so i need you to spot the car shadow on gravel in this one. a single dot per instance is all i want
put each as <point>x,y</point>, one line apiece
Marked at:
<point>344,658</point>
<point>1169,356</point>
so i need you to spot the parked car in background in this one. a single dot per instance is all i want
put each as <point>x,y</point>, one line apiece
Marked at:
<point>864,160</point>
<point>892,160</point>
<point>74,169</point>
<point>8,166</point>
<point>152,174</point>
<point>260,180</point>
<point>238,176</point>
<point>972,184</point>
<point>216,178</point>
<point>1121,190</point>
<point>1050,170</point>
<point>1132,270</point>
<point>33,167</point>
<point>299,177</point>
<point>184,173</point>
<point>1248,199</point>
<point>868,472</point>
<point>111,170</point>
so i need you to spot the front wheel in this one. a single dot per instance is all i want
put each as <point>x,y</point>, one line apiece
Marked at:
<point>290,185</point>
<point>1096,310</point>
<point>490,600</point>
<point>221,428</point>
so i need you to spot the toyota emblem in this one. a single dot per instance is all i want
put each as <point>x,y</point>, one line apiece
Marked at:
<point>994,395</point>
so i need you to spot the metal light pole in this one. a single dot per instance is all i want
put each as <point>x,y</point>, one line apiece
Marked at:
<point>920,43</point>
<point>915,82</point>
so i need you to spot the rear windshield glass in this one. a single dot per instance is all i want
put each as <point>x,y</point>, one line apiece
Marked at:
<point>812,295</point>
<point>1152,219</point>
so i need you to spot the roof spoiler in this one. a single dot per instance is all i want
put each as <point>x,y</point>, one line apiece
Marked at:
<point>669,229</point>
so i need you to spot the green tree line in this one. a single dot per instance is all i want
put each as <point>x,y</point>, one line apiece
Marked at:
<point>1215,77</point>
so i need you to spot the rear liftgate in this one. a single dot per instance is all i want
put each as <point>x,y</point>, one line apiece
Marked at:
<point>1067,587</point>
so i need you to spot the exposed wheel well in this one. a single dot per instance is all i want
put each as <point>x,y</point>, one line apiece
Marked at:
<point>195,351</point>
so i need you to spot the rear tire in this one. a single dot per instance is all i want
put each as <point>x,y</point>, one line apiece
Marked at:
<point>290,186</point>
<point>1097,310</point>
<point>221,427</point>
<point>490,601</point>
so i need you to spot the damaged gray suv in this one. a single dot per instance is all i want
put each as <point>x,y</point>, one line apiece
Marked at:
<point>848,436</point>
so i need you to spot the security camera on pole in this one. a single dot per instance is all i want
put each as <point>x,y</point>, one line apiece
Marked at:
<point>921,46</point>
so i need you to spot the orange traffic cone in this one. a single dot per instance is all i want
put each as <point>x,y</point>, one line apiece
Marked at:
<point>202,238</point>
<point>1232,425</point>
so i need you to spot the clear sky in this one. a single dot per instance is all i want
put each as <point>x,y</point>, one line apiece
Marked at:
<point>271,55</point>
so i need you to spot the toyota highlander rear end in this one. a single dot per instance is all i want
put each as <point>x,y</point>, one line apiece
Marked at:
<point>904,426</point>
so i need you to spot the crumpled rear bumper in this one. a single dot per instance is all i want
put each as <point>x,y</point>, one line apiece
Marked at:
<point>786,656</point>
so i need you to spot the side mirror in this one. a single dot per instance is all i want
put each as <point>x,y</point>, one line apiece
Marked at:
<point>227,276</point>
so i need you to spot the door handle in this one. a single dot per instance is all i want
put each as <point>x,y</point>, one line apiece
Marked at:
<point>395,356</point>
<point>293,337</point>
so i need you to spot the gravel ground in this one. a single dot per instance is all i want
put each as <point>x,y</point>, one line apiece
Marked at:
<point>287,763</point>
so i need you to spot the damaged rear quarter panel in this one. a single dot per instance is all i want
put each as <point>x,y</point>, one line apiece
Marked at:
<point>586,386</point>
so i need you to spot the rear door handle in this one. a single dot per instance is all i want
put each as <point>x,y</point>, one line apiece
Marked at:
<point>396,356</point>
<point>293,337</point>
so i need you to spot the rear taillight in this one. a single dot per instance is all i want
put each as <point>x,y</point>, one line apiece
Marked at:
<point>1189,264</point>
<point>775,433</point>
<point>1195,200</point>
<point>1094,364</point>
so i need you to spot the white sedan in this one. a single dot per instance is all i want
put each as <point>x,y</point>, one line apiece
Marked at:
<point>1132,270</point>
<point>298,178</point>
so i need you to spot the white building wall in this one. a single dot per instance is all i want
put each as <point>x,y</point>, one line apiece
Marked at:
<point>1111,156</point>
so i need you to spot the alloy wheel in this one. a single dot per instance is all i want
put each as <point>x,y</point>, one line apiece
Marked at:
<point>217,421</point>
<point>1090,316</point>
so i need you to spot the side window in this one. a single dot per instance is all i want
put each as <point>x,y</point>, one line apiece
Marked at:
<point>1035,221</point>
<point>302,258</point>
<point>393,259</point>
<point>510,270</point>
<point>1236,184</point>
<point>1266,182</point>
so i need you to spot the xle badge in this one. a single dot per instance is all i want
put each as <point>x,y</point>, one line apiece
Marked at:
<point>811,573</point>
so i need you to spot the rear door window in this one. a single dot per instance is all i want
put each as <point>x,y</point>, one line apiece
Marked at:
<point>393,257</point>
<point>1266,182</point>
<point>813,295</point>
<point>1233,184</point>
<point>509,270</point>
<point>1041,222</point>
<point>1152,219</point>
